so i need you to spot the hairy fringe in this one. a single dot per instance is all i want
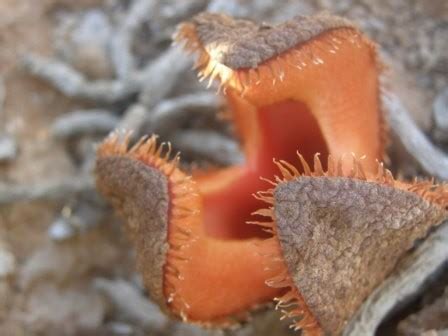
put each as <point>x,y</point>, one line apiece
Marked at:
<point>182,191</point>
<point>292,304</point>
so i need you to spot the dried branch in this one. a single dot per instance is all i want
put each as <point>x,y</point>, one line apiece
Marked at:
<point>182,10</point>
<point>167,115</point>
<point>403,285</point>
<point>72,83</point>
<point>121,44</point>
<point>84,122</point>
<point>133,118</point>
<point>210,145</point>
<point>163,75</point>
<point>155,80</point>
<point>440,111</point>
<point>157,77</point>
<point>232,7</point>
<point>432,160</point>
<point>48,190</point>
<point>132,304</point>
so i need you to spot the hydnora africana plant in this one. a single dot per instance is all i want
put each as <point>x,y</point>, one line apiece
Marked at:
<point>214,245</point>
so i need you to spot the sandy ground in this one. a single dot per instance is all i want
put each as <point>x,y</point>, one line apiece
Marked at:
<point>55,288</point>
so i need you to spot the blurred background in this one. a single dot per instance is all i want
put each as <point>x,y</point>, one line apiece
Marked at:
<point>72,71</point>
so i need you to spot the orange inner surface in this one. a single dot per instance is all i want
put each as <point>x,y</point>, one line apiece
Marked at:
<point>282,129</point>
<point>328,108</point>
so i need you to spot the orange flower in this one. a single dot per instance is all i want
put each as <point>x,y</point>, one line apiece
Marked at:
<point>309,85</point>
<point>338,234</point>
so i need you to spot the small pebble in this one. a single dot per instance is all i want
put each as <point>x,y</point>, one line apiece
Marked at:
<point>61,230</point>
<point>82,218</point>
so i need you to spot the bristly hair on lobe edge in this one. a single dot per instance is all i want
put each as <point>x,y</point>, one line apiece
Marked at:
<point>183,210</point>
<point>292,303</point>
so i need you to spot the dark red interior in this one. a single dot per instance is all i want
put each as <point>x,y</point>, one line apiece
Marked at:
<point>284,128</point>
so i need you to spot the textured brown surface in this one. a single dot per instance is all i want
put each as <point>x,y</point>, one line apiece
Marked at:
<point>341,237</point>
<point>141,194</point>
<point>245,44</point>
<point>413,35</point>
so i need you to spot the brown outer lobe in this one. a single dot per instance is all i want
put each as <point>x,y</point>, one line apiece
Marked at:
<point>341,237</point>
<point>309,72</point>
<point>245,44</point>
<point>142,195</point>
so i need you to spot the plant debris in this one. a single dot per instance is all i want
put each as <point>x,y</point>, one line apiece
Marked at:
<point>72,71</point>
